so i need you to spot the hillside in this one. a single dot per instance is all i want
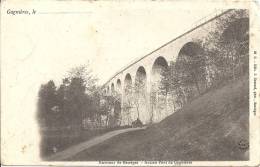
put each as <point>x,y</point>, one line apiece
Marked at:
<point>212,127</point>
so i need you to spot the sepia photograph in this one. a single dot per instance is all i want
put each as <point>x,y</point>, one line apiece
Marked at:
<point>128,83</point>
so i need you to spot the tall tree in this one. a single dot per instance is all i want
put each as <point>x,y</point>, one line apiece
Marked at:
<point>47,100</point>
<point>86,74</point>
<point>227,48</point>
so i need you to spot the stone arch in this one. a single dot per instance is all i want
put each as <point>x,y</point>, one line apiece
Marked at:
<point>189,49</point>
<point>128,84</point>
<point>189,66</point>
<point>140,77</point>
<point>158,98</point>
<point>140,95</point>
<point>118,85</point>
<point>108,89</point>
<point>160,65</point>
<point>127,101</point>
<point>112,88</point>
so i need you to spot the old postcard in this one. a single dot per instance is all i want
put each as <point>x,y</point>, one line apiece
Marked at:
<point>130,83</point>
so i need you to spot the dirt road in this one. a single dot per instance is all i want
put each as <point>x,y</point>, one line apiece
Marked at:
<point>73,150</point>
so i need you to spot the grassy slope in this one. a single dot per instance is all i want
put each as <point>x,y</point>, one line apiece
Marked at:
<point>61,142</point>
<point>209,128</point>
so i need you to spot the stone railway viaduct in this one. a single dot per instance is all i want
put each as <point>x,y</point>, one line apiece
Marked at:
<point>147,69</point>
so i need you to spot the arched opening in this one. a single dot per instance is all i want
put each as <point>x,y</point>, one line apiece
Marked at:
<point>128,100</point>
<point>160,66</point>
<point>140,79</point>
<point>118,85</point>
<point>159,90</point>
<point>114,107</point>
<point>128,84</point>
<point>118,103</point>
<point>112,88</point>
<point>190,70</point>
<point>140,93</point>
<point>108,90</point>
<point>190,49</point>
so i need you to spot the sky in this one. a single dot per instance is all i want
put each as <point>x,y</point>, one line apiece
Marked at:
<point>51,43</point>
<point>62,35</point>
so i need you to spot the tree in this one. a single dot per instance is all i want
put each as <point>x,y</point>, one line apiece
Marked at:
<point>84,72</point>
<point>227,48</point>
<point>79,95</point>
<point>190,67</point>
<point>139,95</point>
<point>220,57</point>
<point>128,104</point>
<point>75,99</point>
<point>171,86</point>
<point>111,108</point>
<point>96,106</point>
<point>47,100</point>
<point>78,102</point>
<point>63,103</point>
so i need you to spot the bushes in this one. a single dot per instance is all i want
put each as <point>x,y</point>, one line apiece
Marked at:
<point>137,123</point>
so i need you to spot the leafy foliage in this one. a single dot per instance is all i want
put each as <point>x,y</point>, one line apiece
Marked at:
<point>47,100</point>
<point>69,104</point>
<point>222,56</point>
